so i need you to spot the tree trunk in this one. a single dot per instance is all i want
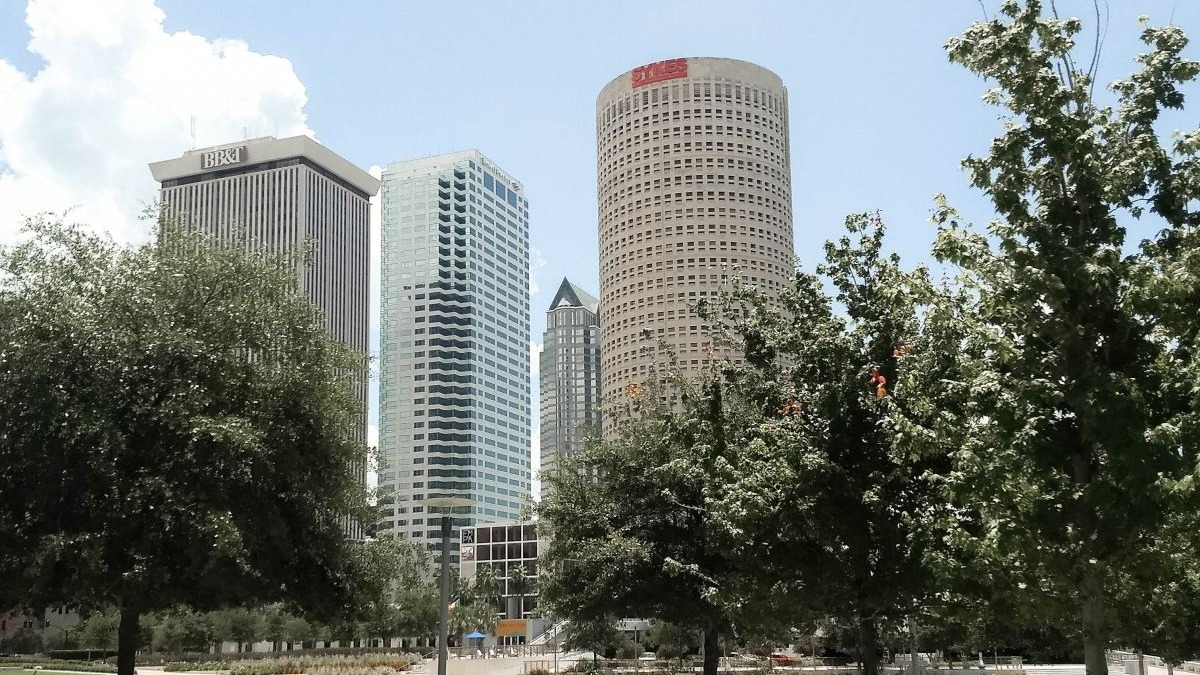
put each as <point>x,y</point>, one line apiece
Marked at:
<point>127,639</point>
<point>868,643</point>
<point>712,649</point>
<point>1092,618</point>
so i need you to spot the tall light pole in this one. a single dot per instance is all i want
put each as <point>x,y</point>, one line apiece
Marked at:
<point>449,504</point>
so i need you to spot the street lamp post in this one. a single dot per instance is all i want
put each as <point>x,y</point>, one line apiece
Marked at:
<point>448,503</point>
<point>65,631</point>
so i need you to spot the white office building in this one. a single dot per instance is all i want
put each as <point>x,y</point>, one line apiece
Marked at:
<point>286,194</point>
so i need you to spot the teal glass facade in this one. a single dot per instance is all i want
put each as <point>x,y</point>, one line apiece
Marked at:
<point>454,368</point>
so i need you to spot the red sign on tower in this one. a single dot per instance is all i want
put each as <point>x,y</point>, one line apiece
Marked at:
<point>657,72</point>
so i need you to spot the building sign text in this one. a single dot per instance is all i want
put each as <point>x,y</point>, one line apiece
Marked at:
<point>226,157</point>
<point>657,72</point>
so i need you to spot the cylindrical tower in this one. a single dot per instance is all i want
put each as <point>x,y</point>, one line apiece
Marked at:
<point>694,183</point>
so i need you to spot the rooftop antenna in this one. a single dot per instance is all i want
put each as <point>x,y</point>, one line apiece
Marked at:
<point>193,125</point>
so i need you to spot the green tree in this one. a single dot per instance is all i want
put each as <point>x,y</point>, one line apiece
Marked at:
<point>99,630</point>
<point>466,617</point>
<point>297,629</point>
<point>180,429</point>
<point>274,625</point>
<point>520,584</point>
<point>418,611</point>
<point>650,539</point>
<point>24,641</point>
<point>393,577</point>
<point>597,636</point>
<point>238,624</point>
<point>838,515</point>
<point>182,630</point>
<point>1075,425</point>
<point>487,587</point>
<point>670,640</point>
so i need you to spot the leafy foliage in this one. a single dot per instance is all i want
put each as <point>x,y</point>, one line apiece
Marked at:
<point>179,429</point>
<point>649,539</point>
<point>598,636</point>
<point>1073,415</point>
<point>839,514</point>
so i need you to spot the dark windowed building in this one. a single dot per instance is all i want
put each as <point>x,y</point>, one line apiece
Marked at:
<point>569,375</point>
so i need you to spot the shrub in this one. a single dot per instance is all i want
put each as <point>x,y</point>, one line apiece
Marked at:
<point>355,670</point>
<point>538,671</point>
<point>58,664</point>
<point>188,666</point>
<point>629,650</point>
<point>364,664</point>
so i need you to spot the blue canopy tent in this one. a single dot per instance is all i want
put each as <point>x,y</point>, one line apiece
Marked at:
<point>476,635</point>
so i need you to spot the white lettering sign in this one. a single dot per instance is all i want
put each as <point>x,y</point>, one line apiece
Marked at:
<point>220,158</point>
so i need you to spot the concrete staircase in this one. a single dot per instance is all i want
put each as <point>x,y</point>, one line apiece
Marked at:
<point>549,633</point>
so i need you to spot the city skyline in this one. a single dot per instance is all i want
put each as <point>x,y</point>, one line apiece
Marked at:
<point>881,116</point>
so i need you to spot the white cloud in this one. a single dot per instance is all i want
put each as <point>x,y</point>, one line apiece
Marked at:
<point>535,356</point>
<point>116,92</point>
<point>538,262</point>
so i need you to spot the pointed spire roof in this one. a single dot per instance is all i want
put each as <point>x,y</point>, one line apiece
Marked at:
<point>570,295</point>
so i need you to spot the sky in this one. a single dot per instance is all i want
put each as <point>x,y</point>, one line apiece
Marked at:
<point>93,90</point>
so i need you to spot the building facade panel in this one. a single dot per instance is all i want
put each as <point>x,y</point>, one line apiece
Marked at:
<point>507,553</point>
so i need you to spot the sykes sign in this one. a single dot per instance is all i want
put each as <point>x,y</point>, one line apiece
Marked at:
<point>226,157</point>
<point>657,72</point>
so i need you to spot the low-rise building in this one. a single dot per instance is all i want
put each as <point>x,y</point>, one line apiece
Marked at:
<point>509,552</point>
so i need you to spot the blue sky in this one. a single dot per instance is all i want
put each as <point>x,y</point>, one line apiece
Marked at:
<point>879,118</point>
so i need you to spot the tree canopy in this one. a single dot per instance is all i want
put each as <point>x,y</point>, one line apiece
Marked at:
<point>648,539</point>
<point>178,428</point>
<point>1008,456</point>
<point>841,515</point>
<point>1074,420</point>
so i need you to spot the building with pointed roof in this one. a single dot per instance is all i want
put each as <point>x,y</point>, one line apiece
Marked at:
<point>569,375</point>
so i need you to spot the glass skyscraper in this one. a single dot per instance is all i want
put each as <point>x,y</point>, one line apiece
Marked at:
<point>454,385</point>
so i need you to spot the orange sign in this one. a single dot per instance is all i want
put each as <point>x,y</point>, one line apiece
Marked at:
<point>509,627</point>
